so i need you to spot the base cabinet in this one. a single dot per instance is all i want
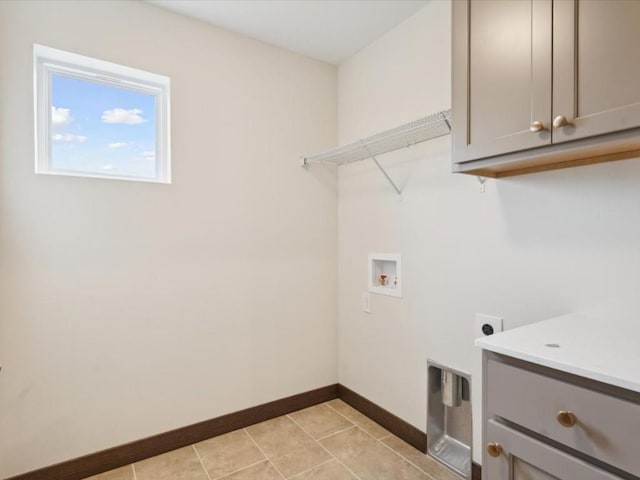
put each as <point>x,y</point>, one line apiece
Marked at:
<point>545,424</point>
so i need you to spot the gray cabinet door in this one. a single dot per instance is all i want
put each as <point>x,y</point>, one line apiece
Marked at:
<point>501,76</point>
<point>524,458</point>
<point>596,67</point>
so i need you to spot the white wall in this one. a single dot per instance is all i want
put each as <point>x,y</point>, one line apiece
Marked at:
<point>529,248</point>
<point>128,309</point>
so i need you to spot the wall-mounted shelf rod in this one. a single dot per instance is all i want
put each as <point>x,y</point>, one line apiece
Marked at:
<point>421,130</point>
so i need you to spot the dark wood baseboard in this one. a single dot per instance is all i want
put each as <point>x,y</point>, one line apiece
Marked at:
<point>397,426</point>
<point>401,429</point>
<point>135,451</point>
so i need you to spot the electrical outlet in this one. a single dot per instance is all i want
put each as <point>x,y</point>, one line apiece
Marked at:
<point>366,302</point>
<point>487,325</point>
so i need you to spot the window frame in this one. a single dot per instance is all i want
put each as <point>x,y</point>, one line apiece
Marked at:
<point>49,61</point>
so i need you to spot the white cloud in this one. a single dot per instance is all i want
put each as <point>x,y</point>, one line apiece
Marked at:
<point>118,145</point>
<point>68,137</point>
<point>60,117</point>
<point>120,115</point>
<point>149,155</point>
<point>107,167</point>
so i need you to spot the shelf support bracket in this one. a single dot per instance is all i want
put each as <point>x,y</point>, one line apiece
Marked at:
<point>446,121</point>
<point>481,180</point>
<point>384,172</point>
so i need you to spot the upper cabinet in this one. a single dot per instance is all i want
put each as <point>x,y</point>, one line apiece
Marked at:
<point>596,68</point>
<point>541,84</point>
<point>502,77</point>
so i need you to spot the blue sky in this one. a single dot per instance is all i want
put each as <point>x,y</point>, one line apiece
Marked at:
<point>102,129</point>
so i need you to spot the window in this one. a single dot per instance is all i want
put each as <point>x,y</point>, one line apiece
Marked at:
<point>99,119</point>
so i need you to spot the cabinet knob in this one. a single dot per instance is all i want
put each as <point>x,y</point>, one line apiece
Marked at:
<point>536,126</point>
<point>560,121</point>
<point>494,449</point>
<point>566,418</point>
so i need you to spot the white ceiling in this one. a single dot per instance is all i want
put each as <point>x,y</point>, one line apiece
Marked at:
<point>329,30</point>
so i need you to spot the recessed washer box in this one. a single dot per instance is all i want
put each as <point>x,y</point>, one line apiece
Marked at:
<point>385,274</point>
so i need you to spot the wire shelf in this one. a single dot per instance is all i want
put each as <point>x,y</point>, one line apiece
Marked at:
<point>421,130</point>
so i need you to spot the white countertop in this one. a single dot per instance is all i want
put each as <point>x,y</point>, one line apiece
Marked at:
<point>604,350</point>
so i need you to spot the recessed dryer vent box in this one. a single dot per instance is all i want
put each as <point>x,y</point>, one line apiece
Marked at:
<point>385,274</point>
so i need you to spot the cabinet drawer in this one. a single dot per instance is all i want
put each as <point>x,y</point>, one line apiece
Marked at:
<point>606,428</point>
<point>524,458</point>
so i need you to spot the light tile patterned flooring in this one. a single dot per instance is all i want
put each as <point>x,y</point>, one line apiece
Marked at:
<point>330,441</point>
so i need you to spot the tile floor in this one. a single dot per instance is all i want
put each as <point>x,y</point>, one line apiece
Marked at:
<point>330,441</point>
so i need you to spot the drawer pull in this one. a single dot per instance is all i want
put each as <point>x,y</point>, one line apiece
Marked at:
<point>494,449</point>
<point>560,121</point>
<point>536,126</point>
<point>566,418</point>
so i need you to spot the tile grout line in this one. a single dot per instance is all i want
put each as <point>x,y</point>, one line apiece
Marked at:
<point>327,450</point>
<point>351,420</point>
<point>358,424</point>
<point>335,433</point>
<point>262,451</point>
<point>379,440</point>
<point>225,475</point>
<point>429,477</point>
<point>312,468</point>
<point>340,413</point>
<point>370,434</point>
<point>201,462</point>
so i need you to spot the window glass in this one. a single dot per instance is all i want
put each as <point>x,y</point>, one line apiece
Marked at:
<point>99,119</point>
